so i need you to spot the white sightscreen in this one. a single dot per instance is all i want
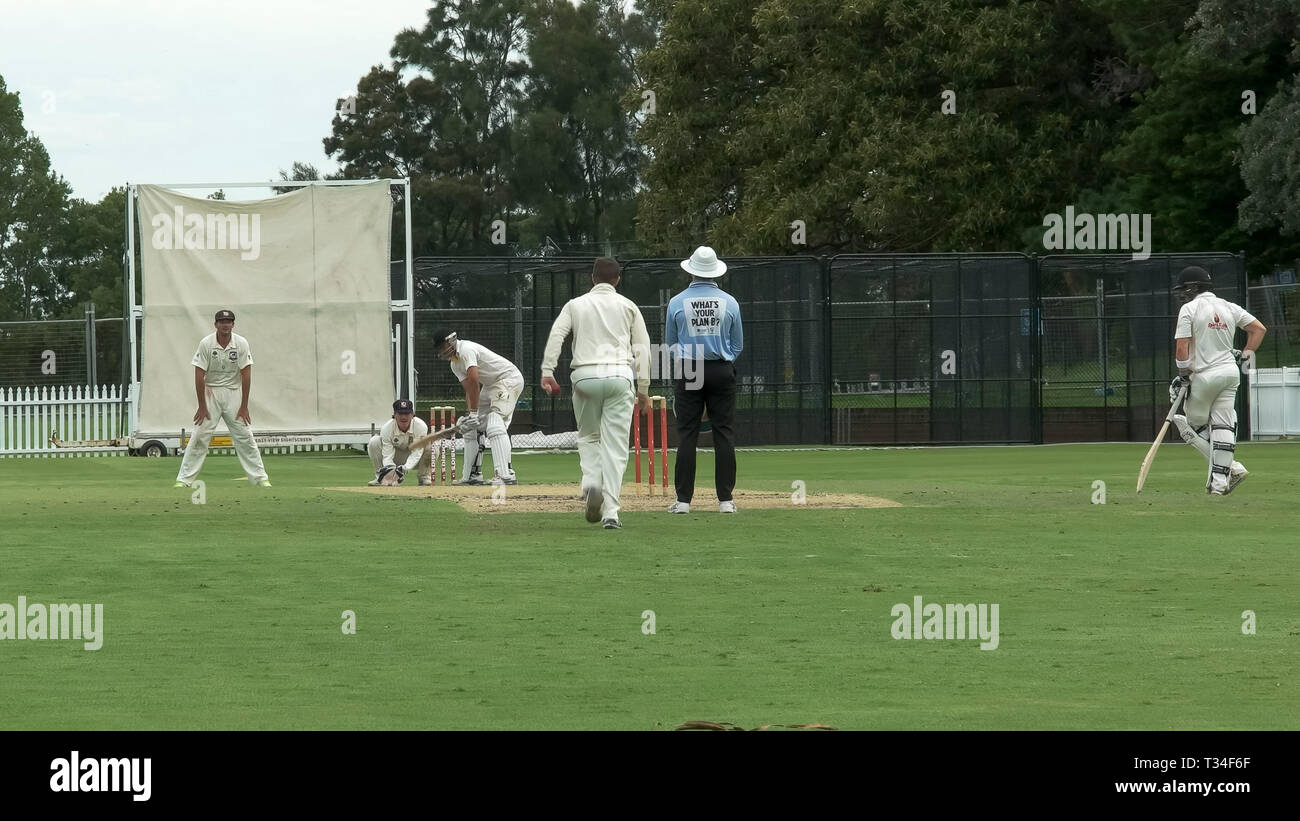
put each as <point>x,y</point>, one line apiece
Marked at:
<point>306,274</point>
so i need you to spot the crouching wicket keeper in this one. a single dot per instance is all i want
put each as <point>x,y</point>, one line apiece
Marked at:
<point>390,451</point>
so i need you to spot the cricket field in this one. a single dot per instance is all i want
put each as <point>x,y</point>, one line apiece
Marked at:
<point>303,606</point>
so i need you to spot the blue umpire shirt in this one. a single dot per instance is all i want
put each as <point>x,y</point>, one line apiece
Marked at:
<point>704,315</point>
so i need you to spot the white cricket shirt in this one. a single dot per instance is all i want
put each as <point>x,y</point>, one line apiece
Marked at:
<point>492,367</point>
<point>221,366</point>
<point>609,337</point>
<point>391,439</point>
<point>1210,323</point>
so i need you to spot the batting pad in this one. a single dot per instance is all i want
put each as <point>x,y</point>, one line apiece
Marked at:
<point>306,274</point>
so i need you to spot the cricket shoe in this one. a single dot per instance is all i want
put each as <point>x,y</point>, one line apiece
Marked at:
<point>1236,478</point>
<point>595,498</point>
<point>476,479</point>
<point>612,524</point>
<point>509,480</point>
<point>727,507</point>
<point>426,480</point>
<point>264,483</point>
<point>679,507</point>
<point>180,484</point>
<point>374,482</point>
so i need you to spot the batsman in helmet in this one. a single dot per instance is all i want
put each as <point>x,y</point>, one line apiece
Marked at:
<point>1209,365</point>
<point>492,386</point>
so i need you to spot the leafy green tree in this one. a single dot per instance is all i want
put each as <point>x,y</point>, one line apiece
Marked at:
<point>33,201</point>
<point>299,172</point>
<point>448,126</point>
<point>1254,32</point>
<point>92,253</point>
<point>831,113</point>
<point>1188,154</point>
<point>574,157</point>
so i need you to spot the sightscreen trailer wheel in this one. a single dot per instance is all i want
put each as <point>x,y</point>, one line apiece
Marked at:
<point>153,449</point>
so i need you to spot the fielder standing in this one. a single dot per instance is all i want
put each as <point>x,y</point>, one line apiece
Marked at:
<point>611,366</point>
<point>1205,358</point>
<point>223,378</point>
<point>492,386</point>
<point>703,324</point>
<point>390,449</point>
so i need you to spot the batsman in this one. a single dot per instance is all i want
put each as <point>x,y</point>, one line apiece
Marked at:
<point>492,386</point>
<point>1209,366</point>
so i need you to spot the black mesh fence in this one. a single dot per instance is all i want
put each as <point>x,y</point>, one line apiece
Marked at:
<point>1275,301</point>
<point>874,349</point>
<point>1108,351</point>
<point>783,368</point>
<point>932,348</point>
<point>857,349</point>
<point>509,304</point>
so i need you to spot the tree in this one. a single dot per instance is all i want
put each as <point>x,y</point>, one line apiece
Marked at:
<point>1251,32</point>
<point>92,252</point>
<point>831,113</point>
<point>575,161</point>
<point>448,127</point>
<point>33,200</point>
<point>299,172</point>
<point>1209,174</point>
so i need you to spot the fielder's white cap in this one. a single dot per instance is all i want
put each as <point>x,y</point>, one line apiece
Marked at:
<point>704,263</point>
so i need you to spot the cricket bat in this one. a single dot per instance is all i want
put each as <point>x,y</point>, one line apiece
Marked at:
<point>1160,437</point>
<point>446,432</point>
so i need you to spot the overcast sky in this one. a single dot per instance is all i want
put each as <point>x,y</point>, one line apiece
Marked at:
<point>174,91</point>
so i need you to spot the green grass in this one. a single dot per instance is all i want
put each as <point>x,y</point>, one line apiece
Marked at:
<point>227,615</point>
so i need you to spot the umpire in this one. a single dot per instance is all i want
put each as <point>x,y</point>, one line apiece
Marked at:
<point>703,324</point>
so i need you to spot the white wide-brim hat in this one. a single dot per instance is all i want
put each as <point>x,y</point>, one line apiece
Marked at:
<point>704,263</point>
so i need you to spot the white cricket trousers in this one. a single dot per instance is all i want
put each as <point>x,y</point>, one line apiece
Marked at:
<point>603,407</point>
<point>223,403</point>
<point>1209,421</point>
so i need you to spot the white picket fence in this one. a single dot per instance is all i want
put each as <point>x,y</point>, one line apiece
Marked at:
<point>1275,403</point>
<point>79,413</point>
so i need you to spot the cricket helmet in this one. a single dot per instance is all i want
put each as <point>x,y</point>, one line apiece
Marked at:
<point>444,343</point>
<point>1191,281</point>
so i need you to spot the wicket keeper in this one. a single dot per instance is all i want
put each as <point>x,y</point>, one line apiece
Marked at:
<point>390,450</point>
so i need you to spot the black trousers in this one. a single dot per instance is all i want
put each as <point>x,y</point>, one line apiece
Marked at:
<point>718,394</point>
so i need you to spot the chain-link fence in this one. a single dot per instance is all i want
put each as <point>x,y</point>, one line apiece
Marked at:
<point>871,349</point>
<point>932,348</point>
<point>61,352</point>
<point>509,304</point>
<point>856,349</point>
<point>1275,301</point>
<point>1107,340</point>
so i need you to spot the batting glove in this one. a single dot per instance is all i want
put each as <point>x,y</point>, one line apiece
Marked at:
<point>384,471</point>
<point>401,473</point>
<point>1176,387</point>
<point>469,421</point>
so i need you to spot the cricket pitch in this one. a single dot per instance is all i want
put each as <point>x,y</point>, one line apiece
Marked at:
<point>566,498</point>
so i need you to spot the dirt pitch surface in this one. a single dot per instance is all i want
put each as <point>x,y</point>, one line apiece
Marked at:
<point>566,498</point>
